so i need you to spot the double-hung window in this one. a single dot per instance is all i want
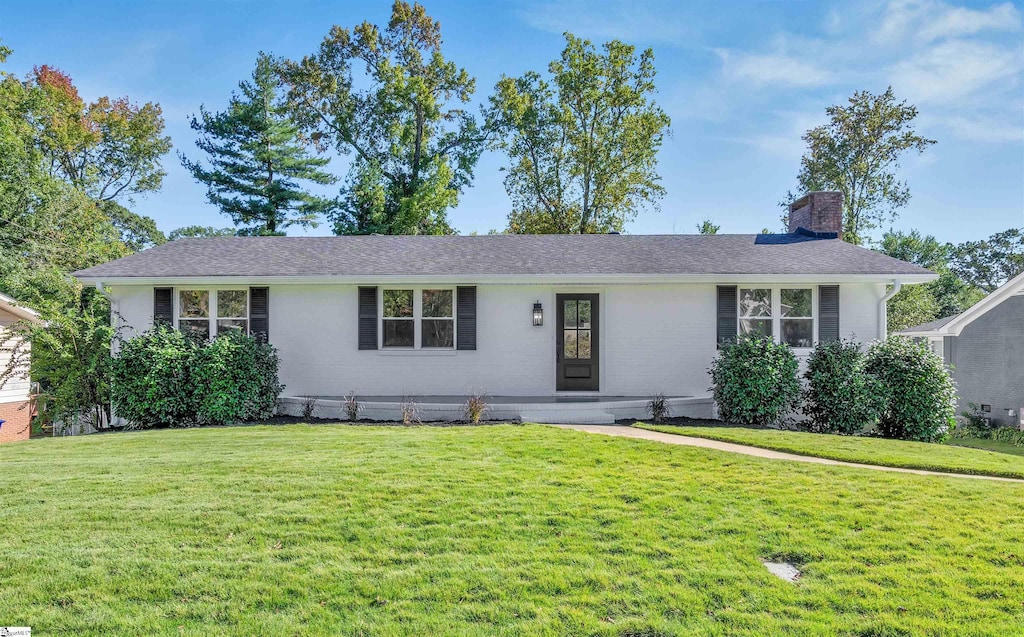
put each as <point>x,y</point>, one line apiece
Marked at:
<point>783,313</point>
<point>206,313</point>
<point>418,318</point>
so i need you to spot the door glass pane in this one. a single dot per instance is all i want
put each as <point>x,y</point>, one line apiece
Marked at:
<point>437,303</point>
<point>570,313</point>
<point>398,303</point>
<point>584,343</point>
<point>569,346</point>
<point>437,333</point>
<point>398,333</point>
<point>194,304</point>
<point>584,315</point>
<point>796,303</point>
<point>232,304</point>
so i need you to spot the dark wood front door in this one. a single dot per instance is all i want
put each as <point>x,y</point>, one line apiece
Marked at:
<point>577,352</point>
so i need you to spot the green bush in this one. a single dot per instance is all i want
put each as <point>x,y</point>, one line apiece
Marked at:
<point>152,378</point>
<point>165,377</point>
<point>975,423</point>
<point>921,395</point>
<point>1009,435</point>
<point>754,381</point>
<point>237,377</point>
<point>841,397</point>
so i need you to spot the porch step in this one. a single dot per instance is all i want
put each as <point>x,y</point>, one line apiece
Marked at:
<point>568,417</point>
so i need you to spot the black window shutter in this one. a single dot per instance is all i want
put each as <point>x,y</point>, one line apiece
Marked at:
<point>726,314</point>
<point>163,306</point>
<point>368,318</point>
<point>466,312</point>
<point>828,313</point>
<point>259,313</point>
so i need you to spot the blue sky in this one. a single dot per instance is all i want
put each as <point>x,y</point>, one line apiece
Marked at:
<point>741,82</point>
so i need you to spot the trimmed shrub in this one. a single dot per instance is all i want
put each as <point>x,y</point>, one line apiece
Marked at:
<point>1008,435</point>
<point>754,381</point>
<point>237,379</point>
<point>152,378</point>
<point>841,397</point>
<point>167,378</point>
<point>922,396</point>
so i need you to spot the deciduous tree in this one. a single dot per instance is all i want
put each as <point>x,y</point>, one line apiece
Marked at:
<point>990,262</point>
<point>389,99</point>
<point>583,146</point>
<point>857,153</point>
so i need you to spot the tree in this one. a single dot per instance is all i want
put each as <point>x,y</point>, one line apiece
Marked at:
<point>110,148</point>
<point>413,145</point>
<point>258,159</point>
<point>991,262</point>
<point>708,227</point>
<point>857,153</point>
<point>917,304</point>
<point>583,147</point>
<point>200,231</point>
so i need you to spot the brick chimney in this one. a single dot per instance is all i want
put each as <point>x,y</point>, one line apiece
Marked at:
<point>817,213</point>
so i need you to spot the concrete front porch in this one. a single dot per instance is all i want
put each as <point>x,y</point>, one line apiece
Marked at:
<point>562,409</point>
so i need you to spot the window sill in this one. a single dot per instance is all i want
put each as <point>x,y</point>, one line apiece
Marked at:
<point>394,351</point>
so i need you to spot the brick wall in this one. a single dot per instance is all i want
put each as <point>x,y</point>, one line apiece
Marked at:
<point>817,211</point>
<point>16,425</point>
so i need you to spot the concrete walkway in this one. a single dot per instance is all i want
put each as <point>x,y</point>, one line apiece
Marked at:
<point>690,441</point>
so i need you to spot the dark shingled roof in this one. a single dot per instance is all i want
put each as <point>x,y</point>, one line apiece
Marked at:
<point>503,255</point>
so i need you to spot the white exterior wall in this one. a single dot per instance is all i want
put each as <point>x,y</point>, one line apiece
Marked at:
<point>16,389</point>
<point>653,338</point>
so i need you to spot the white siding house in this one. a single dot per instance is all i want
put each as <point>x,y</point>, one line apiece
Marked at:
<point>15,391</point>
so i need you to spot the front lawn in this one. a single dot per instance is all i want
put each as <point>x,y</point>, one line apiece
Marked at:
<point>987,443</point>
<point>502,530</point>
<point>878,451</point>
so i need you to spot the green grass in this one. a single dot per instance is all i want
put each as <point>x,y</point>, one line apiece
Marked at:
<point>503,530</point>
<point>985,443</point>
<point>878,451</point>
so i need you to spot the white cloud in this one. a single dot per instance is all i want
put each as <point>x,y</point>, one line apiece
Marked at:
<point>955,70</point>
<point>772,70</point>
<point>985,130</point>
<point>929,20</point>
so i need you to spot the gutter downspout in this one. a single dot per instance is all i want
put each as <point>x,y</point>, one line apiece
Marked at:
<point>883,324</point>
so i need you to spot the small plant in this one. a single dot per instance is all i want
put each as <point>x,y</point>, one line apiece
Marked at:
<point>310,407</point>
<point>410,412</point>
<point>1009,435</point>
<point>975,423</point>
<point>657,407</point>
<point>754,381</point>
<point>352,408</point>
<point>841,397</point>
<point>475,408</point>
<point>922,396</point>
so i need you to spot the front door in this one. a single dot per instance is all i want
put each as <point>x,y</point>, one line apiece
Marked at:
<point>576,355</point>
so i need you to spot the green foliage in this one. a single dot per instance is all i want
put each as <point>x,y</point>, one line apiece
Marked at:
<point>975,423</point>
<point>857,153</point>
<point>989,263</point>
<point>200,231</point>
<point>754,381</point>
<point>1008,435</point>
<point>237,375</point>
<point>413,144</point>
<point>841,397</point>
<point>912,305</point>
<point>921,395</point>
<point>258,159</point>
<point>164,377</point>
<point>583,147</point>
<point>153,380</point>
<point>708,227</point>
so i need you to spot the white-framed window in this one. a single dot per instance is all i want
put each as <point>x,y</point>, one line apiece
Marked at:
<point>784,313</point>
<point>207,313</point>
<point>418,318</point>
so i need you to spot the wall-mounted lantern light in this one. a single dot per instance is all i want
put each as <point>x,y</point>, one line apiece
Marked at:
<point>538,314</point>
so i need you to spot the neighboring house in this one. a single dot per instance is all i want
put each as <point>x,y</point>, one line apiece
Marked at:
<point>985,347</point>
<point>539,318</point>
<point>15,404</point>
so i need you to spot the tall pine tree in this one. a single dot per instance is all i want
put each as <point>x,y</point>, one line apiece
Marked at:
<point>259,160</point>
